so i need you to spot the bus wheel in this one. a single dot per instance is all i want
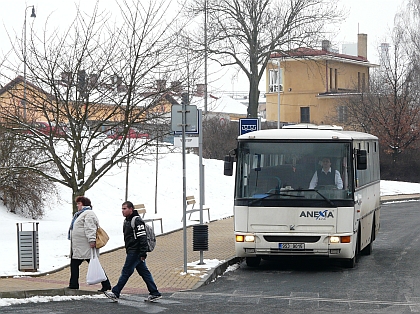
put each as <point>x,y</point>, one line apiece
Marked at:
<point>369,248</point>
<point>253,261</point>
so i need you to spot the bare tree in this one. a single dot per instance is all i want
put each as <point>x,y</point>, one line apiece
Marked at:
<point>390,109</point>
<point>246,32</point>
<point>96,76</point>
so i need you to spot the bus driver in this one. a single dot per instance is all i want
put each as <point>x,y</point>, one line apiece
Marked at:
<point>326,176</point>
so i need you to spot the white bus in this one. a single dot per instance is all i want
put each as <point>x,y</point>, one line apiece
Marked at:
<point>282,208</point>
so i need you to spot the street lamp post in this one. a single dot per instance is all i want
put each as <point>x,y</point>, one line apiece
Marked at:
<point>24,59</point>
<point>278,94</point>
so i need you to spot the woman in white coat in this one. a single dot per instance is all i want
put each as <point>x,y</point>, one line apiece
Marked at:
<point>82,234</point>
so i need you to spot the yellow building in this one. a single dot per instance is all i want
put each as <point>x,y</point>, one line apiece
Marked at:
<point>31,104</point>
<point>312,83</point>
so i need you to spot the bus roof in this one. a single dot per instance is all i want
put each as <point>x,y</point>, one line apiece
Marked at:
<point>305,134</point>
<point>313,126</point>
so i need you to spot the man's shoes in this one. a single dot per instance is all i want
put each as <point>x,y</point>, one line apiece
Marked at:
<point>111,295</point>
<point>74,288</point>
<point>103,289</point>
<point>153,298</point>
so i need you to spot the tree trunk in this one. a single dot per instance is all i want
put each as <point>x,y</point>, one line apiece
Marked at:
<point>77,192</point>
<point>254,93</point>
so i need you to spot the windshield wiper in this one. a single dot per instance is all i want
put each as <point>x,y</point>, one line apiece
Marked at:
<point>267,195</point>
<point>320,194</point>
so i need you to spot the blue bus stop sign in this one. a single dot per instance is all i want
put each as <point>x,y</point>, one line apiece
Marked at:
<point>248,125</point>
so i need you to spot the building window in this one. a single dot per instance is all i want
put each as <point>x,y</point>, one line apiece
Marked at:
<point>342,113</point>
<point>274,80</point>
<point>333,80</point>
<point>304,115</point>
<point>361,82</point>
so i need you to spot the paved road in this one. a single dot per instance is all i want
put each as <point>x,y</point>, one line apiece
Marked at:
<point>388,281</point>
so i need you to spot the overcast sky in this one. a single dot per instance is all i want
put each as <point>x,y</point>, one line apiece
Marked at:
<point>372,17</point>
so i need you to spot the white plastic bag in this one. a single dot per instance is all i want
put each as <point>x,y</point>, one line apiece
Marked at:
<point>95,273</point>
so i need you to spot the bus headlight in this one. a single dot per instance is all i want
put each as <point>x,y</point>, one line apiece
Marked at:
<point>342,239</point>
<point>249,238</point>
<point>334,239</point>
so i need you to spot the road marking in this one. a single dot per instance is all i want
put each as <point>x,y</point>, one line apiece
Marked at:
<point>414,308</point>
<point>413,303</point>
<point>311,299</point>
<point>241,297</point>
<point>146,307</point>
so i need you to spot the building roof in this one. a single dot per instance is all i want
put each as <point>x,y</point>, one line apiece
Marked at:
<point>320,53</point>
<point>222,104</point>
<point>20,80</point>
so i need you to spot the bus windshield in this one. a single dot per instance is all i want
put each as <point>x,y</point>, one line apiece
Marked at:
<point>294,170</point>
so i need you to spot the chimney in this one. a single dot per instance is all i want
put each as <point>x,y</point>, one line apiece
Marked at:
<point>93,80</point>
<point>115,79</point>
<point>326,45</point>
<point>121,88</point>
<point>81,83</point>
<point>362,45</point>
<point>200,90</point>
<point>65,78</point>
<point>161,85</point>
<point>176,86</point>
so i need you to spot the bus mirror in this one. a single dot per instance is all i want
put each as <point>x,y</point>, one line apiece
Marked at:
<point>361,159</point>
<point>228,167</point>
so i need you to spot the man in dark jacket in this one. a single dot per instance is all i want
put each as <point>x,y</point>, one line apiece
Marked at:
<point>136,248</point>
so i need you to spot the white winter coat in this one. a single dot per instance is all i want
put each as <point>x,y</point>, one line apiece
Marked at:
<point>84,231</point>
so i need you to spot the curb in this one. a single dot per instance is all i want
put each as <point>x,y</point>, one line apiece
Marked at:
<point>45,293</point>
<point>399,197</point>
<point>216,272</point>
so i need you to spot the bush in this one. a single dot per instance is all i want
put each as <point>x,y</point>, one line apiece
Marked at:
<point>406,168</point>
<point>219,137</point>
<point>22,190</point>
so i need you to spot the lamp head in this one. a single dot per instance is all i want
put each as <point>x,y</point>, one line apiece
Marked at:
<point>33,12</point>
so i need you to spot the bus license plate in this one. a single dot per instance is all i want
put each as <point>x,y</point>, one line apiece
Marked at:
<point>291,246</point>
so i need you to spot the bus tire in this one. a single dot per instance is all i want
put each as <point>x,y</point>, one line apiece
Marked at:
<point>253,261</point>
<point>369,248</point>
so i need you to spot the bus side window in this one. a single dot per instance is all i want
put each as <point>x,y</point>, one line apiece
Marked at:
<point>361,159</point>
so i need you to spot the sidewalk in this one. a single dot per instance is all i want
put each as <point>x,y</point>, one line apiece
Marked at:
<point>399,197</point>
<point>166,264</point>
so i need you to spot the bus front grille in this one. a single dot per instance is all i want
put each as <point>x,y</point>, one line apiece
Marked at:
<point>292,239</point>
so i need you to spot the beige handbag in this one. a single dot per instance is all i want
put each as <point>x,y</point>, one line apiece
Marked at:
<point>101,238</point>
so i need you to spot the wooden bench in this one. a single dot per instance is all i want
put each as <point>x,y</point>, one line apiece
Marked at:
<point>141,209</point>
<point>191,203</point>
